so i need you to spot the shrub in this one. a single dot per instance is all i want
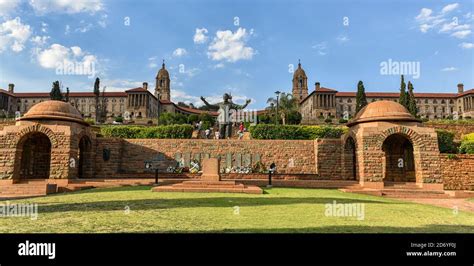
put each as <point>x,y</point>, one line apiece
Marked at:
<point>172,119</point>
<point>264,131</point>
<point>467,144</point>
<point>467,147</point>
<point>328,120</point>
<point>342,121</point>
<point>158,132</point>
<point>89,121</point>
<point>294,118</point>
<point>446,141</point>
<point>119,119</point>
<point>193,119</point>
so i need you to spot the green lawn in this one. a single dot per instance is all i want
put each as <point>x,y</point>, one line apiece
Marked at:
<point>137,209</point>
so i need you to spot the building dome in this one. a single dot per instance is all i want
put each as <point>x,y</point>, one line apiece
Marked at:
<point>54,110</point>
<point>382,111</point>
<point>299,72</point>
<point>163,73</point>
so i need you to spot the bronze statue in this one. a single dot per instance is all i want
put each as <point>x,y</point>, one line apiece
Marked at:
<point>224,108</point>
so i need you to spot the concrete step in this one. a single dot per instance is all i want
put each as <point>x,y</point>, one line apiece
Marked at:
<point>26,189</point>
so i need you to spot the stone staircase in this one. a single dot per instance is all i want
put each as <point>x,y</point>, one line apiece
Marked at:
<point>401,190</point>
<point>209,186</point>
<point>27,189</point>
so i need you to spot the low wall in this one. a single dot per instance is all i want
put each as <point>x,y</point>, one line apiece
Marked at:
<point>127,156</point>
<point>458,173</point>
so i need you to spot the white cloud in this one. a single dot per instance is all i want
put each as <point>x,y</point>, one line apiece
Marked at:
<point>342,38</point>
<point>231,46</point>
<point>182,96</point>
<point>13,35</point>
<point>425,14</point>
<point>44,27</point>
<point>103,21</point>
<point>73,59</point>
<point>449,69</point>
<point>453,26</point>
<point>179,52</point>
<point>321,48</point>
<point>67,30</point>
<point>467,45</point>
<point>461,34</point>
<point>8,6</point>
<point>122,84</point>
<point>449,8</point>
<point>152,62</point>
<point>40,40</point>
<point>200,35</point>
<point>66,6</point>
<point>76,50</point>
<point>220,65</point>
<point>85,27</point>
<point>191,72</point>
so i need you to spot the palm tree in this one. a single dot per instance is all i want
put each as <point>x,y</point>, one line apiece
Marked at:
<point>286,105</point>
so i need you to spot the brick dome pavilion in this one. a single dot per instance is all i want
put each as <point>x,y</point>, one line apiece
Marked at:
<point>382,111</point>
<point>54,110</point>
<point>385,144</point>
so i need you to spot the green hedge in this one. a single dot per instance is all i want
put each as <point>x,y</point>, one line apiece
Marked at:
<point>157,132</point>
<point>451,121</point>
<point>266,131</point>
<point>446,141</point>
<point>467,144</point>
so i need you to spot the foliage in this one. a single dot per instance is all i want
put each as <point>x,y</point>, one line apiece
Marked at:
<point>287,107</point>
<point>205,117</point>
<point>193,119</point>
<point>446,141</point>
<point>342,121</point>
<point>467,144</point>
<point>172,119</point>
<point>264,119</point>
<point>451,121</point>
<point>294,117</point>
<point>263,131</point>
<point>158,132</point>
<point>89,121</point>
<point>403,99</point>
<point>412,108</point>
<point>119,119</point>
<point>361,98</point>
<point>56,93</point>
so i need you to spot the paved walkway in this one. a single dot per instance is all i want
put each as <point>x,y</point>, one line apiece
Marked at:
<point>461,204</point>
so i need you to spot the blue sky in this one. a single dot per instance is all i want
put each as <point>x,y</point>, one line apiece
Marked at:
<point>242,47</point>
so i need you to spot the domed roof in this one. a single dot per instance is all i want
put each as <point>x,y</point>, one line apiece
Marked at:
<point>54,110</point>
<point>163,73</point>
<point>382,111</point>
<point>299,72</point>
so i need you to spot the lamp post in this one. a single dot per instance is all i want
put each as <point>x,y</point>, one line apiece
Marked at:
<point>270,172</point>
<point>278,97</point>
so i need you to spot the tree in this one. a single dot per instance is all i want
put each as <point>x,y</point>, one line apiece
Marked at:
<point>361,98</point>
<point>97,94</point>
<point>403,99</point>
<point>67,95</point>
<point>56,93</point>
<point>412,101</point>
<point>286,105</point>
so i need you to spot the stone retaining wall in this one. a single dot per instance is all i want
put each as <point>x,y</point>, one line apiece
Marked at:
<point>458,172</point>
<point>457,129</point>
<point>127,156</point>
